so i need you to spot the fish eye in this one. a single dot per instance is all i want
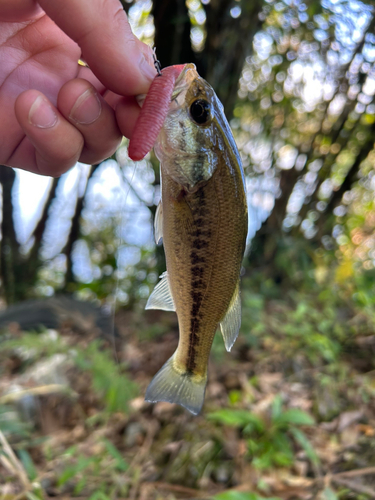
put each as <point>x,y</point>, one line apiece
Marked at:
<point>200,111</point>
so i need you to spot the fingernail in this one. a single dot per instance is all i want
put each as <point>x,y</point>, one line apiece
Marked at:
<point>41,113</point>
<point>140,99</point>
<point>87,108</point>
<point>148,71</point>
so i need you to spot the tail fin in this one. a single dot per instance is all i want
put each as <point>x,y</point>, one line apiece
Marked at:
<point>172,386</point>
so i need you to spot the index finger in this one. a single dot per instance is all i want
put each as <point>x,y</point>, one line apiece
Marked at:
<point>101,29</point>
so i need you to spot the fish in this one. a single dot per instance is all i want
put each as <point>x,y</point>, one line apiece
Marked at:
<point>202,221</point>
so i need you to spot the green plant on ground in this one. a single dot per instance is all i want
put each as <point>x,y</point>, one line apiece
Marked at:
<point>239,495</point>
<point>312,325</point>
<point>271,439</point>
<point>98,476</point>
<point>11,424</point>
<point>102,472</point>
<point>109,381</point>
<point>111,386</point>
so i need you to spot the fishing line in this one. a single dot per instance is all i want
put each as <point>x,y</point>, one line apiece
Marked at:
<point>157,65</point>
<point>120,242</point>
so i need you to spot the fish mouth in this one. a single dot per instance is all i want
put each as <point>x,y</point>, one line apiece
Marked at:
<point>184,79</point>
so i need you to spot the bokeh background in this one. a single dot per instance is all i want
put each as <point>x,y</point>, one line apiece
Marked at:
<point>290,412</point>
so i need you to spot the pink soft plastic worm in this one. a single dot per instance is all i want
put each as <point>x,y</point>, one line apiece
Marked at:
<point>153,112</point>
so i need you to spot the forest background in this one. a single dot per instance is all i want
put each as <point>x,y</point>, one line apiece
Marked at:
<point>290,414</point>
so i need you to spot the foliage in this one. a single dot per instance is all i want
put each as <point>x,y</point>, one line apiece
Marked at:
<point>10,424</point>
<point>105,467</point>
<point>308,326</point>
<point>236,495</point>
<point>259,420</point>
<point>107,377</point>
<point>303,117</point>
<point>110,382</point>
<point>270,438</point>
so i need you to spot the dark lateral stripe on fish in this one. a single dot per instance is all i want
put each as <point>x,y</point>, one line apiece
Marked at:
<point>195,259</point>
<point>197,274</point>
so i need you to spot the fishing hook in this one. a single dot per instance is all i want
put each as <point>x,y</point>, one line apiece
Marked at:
<point>157,63</point>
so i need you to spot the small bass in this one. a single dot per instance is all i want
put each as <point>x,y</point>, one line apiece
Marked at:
<point>202,220</point>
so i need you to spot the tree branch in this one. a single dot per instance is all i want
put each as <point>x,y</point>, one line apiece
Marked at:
<point>41,225</point>
<point>75,232</point>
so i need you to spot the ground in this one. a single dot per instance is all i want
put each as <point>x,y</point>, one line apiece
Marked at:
<point>289,413</point>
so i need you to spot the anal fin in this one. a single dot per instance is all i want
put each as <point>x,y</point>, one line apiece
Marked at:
<point>230,324</point>
<point>161,297</point>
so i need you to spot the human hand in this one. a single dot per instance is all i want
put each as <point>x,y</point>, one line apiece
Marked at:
<point>54,112</point>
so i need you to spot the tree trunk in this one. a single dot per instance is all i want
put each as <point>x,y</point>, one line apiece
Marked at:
<point>9,258</point>
<point>228,43</point>
<point>19,272</point>
<point>172,32</point>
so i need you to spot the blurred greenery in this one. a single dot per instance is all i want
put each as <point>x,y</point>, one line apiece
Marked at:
<point>302,111</point>
<point>236,495</point>
<point>268,440</point>
<point>108,378</point>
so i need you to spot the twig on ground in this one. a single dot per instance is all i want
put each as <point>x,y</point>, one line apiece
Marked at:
<point>358,488</point>
<point>8,465</point>
<point>181,489</point>
<point>355,472</point>
<point>11,458</point>
<point>137,460</point>
<point>348,473</point>
<point>37,391</point>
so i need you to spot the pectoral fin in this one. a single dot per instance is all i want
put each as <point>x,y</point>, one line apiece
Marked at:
<point>161,297</point>
<point>158,223</point>
<point>231,323</point>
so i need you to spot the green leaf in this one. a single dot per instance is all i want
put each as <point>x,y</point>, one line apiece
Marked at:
<point>276,408</point>
<point>33,496</point>
<point>10,423</point>
<point>113,451</point>
<point>238,495</point>
<point>329,494</point>
<point>227,417</point>
<point>73,470</point>
<point>99,495</point>
<point>305,444</point>
<point>70,452</point>
<point>28,464</point>
<point>237,418</point>
<point>282,459</point>
<point>294,416</point>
